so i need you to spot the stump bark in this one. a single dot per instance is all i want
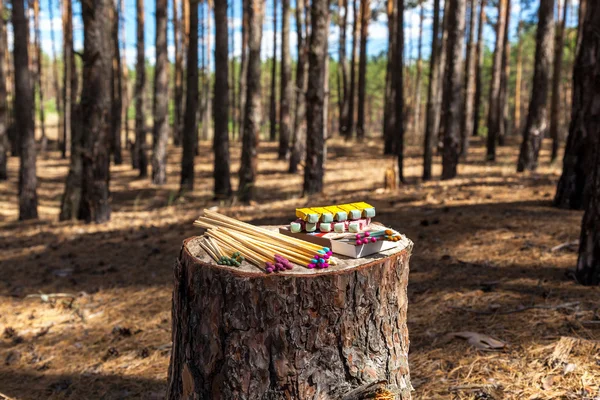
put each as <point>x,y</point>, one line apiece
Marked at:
<point>334,334</point>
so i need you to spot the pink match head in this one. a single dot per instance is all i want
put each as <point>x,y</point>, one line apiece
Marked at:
<point>269,270</point>
<point>357,236</point>
<point>310,266</point>
<point>358,242</point>
<point>326,256</point>
<point>367,234</point>
<point>373,239</point>
<point>330,253</point>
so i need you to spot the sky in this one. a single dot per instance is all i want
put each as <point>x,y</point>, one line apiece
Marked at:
<point>377,39</point>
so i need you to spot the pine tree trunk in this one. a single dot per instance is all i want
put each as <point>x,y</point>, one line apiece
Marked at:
<point>243,67</point>
<point>503,102</point>
<point>38,74</point>
<point>96,110</point>
<point>399,89</point>
<point>23,109</point>
<point>452,87</point>
<point>352,91</point>
<point>315,98</point>
<point>3,100</point>
<point>272,103</point>
<point>537,116</point>
<point>586,115</point>
<point>556,79</point>
<point>418,84</point>
<point>479,55</point>
<point>116,86</point>
<point>438,130</point>
<point>286,83</point>
<point>519,77</point>
<point>434,75</point>
<point>389,111</point>
<point>365,15</point>
<point>221,173</point>
<point>343,66</point>
<point>190,123</point>
<point>207,128</point>
<point>177,76</point>
<point>299,139</point>
<point>202,101</point>
<point>252,113</point>
<point>161,98</point>
<point>232,73</point>
<point>495,107</point>
<point>470,67</point>
<point>140,157</point>
<point>238,334</point>
<point>125,75</point>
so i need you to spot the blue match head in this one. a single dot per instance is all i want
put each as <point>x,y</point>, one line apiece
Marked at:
<point>321,252</point>
<point>326,249</point>
<point>314,261</point>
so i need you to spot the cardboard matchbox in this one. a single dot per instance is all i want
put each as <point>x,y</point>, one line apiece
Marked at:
<point>349,249</point>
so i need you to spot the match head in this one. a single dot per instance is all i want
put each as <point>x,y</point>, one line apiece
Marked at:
<point>358,242</point>
<point>311,266</point>
<point>268,270</point>
<point>367,234</point>
<point>373,239</point>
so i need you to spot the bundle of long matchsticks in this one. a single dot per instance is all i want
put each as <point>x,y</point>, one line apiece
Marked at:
<point>227,240</point>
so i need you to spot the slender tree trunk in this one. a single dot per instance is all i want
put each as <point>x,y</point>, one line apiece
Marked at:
<point>315,98</point>
<point>3,99</point>
<point>389,112</point>
<point>519,77</point>
<point>470,67</point>
<point>495,108</point>
<point>161,98</point>
<point>221,173</point>
<point>352,94</point>
<point>586,115</point>
<point>556,80</point>
<point>537,116</point>
<point>299,140</point>
<point>418,84</point>
<point>452,90</point>
<point>96,109</point>
<point>11,131</point>
<point>434,75</point>
<point>126,93</point>
<point>438,130</point>
<point>202,103</point>
<point>252,120</point>
<point>177,76</point>
<point>117,86</point>
<point>38,75</point>
<point>479,56</point>
<point>140,157</point>
<point>273,106</point>
<point>286,83</point>
<point>399,89</point>
<point>207,130</point>
<point>190,124</point>
<point>23,108</point>
<point>343,67</point>
<point>243,67</point>
<point>581,18</point>
<point>365,15</point>
<point>503,102</point>
<point>232,73</point>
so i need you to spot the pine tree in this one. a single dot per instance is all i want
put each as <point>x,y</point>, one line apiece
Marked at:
<point>556,80</point>
<point>139,156</point>
<point>479,69</point>
<point>470,75</point>
<point>299,139</point>
<point>272,102</point>
<point>3,99</point>
<point>286,83</point>
<point>161,98</point>
<point>365,15</point>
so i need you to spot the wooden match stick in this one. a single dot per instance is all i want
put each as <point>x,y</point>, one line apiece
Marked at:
<point>251,256</point>
<point>208,251</point>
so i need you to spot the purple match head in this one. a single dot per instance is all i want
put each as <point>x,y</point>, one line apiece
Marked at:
<point>279,266</point>
<point>357,236</point>
<point>288,266</point>
<point>330,253</point>
<point>358,242</point>
<point>269,270</point>
<point>367,234</point>
<point>365,241</point>
<point>373,239</point>
<point>326,265</point>
<point>269,264</point>
<point>326,257</point>
<point>310,266</point>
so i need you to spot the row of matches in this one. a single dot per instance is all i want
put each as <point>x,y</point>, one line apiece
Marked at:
<point>227,239</point>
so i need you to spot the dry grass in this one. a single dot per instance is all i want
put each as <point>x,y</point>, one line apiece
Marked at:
<point>482,243</point>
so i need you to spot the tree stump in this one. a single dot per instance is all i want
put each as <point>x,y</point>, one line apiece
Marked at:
<point>338,333</point>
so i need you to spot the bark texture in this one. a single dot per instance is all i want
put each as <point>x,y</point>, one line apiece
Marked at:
<point>55,81</point>
<point>70,81</point>
<point>140,157</point>
<point>365,15</point>
<point>556,80</point>
<point>478,73</point>
<point>299,140</point>
<point>272,104</point>
<point>315,98</point>
<point>352,94</point>
<point>38,74</point>
<point>470,75</point>
<point>222,181</point>
<point>161,98</point>
<point>588,63</point>
<point>537,116</point>
<point>399,90</point>
<point>244,335</point>
<point>117,86</point>
<point>3,100</point>
<point>178,76</point>
<point>389,112</point>
<point>343,62</point>
<point>286,83</point>
<point>252,119</point>
<point>23,109</point>
<point>434,76</point>
<point>504,95</point>
<point>452,87</point>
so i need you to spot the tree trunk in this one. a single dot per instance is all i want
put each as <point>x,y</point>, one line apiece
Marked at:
<point>126,93</point>
<point>399,90</point>
<point>178,76</point>
<point>140,157</point>
<point>273,106</point>
<point>495,107</point>
<point>3,99</point>
<point>556,80</point>
<point>519,77</point>
<point>315,98</point>
<point>503,102</point>
<point>243,67</point>
<point>586,115</point>
<point>299,140</point>
<point>96,110</point>
<point>418,84</point>
<point>343,65</point>
<point>221,93</point>
<point>479,56</point>
<point>452,87</point>
<point>23,109</point>
<point>365,15</point>
<point>38,64</point>
<point>438,130</point>
<point>389,111</point>
<point>202,103</point>
<point>252,120</point>
<point>470,67</point>
<point>161,98</point>
<point>352,94</point>
<point>434,75</point>
<point>358,339</point>
<point>286,83</point>
<point>232,73</point>
<point>190,124</point>
<point>581,17</point>
<point>116,86</point>
<point>537,116</point>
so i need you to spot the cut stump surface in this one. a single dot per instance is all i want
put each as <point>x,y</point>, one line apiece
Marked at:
<point>301,334</point>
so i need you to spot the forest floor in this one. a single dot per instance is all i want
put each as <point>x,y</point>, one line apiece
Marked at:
<point>484,262</point>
